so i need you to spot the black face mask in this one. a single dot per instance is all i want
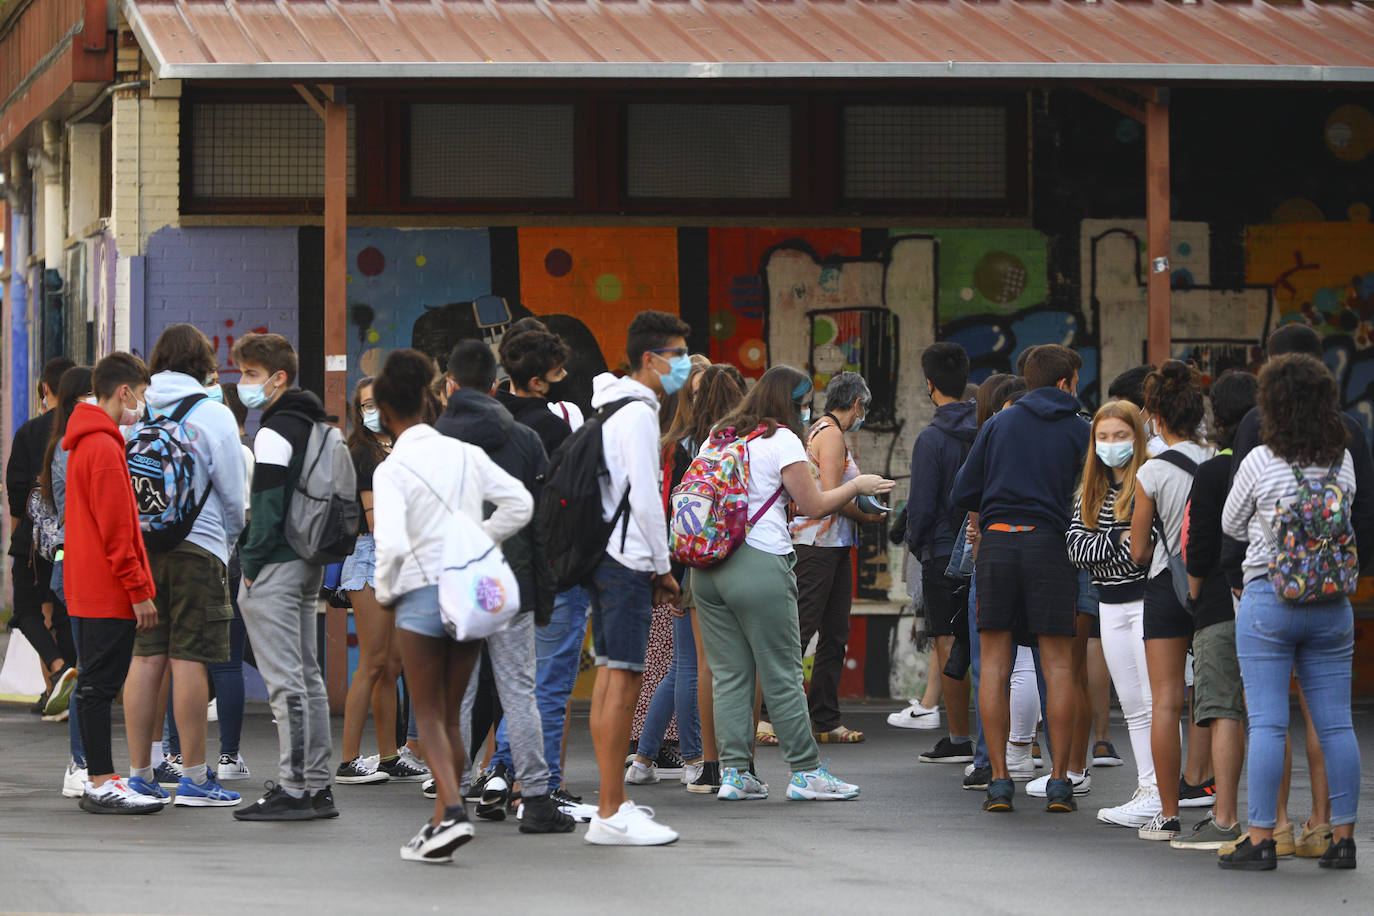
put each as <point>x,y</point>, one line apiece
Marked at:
<point>560,390</point>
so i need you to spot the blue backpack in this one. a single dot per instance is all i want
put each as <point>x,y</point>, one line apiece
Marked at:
<point>163,470</point>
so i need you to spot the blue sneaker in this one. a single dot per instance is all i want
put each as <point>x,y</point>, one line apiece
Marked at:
<point>209,794</point>
<point>737,786</point>
<point>819,785</point>
<point>143,787</point>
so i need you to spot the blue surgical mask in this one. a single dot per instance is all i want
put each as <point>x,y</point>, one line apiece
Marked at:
<point>858,421</point>
<point>372,419</point>
<point>1115,454</point>
<point>805,414</point>
<point>214,393</point>
<point>252,396</point>
<point>681,369</point>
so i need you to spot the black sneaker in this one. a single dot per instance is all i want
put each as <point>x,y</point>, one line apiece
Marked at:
<point>277,805</point>
<point>453,831</point>
<point>978,778</point>
<point>40,705</point>
<point>1059,797</point>
<point>495,795</point>
<point>562,797</point>
<point>399,769</point>
<point>428,790</point>
<point>356,772</point>
<point>1340,854</point>
<point>1251,857</point>
<point>669,762</point>
<point>946,751</point>
<point>1000,795</point>
<point>1199,796</point>
<point>540,814</point>
<point>479,785</point>
<point>709,780</point>
<point>322,803</point>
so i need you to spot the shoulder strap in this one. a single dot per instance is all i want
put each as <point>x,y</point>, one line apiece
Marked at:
<point>187,404</point>
<point>1179,460</point>
<point>606,411</point>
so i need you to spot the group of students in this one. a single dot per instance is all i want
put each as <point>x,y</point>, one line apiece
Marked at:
<point>1212,548</point>
<point>1036,532</point>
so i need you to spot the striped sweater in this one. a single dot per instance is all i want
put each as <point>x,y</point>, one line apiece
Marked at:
<point>1106,553</point>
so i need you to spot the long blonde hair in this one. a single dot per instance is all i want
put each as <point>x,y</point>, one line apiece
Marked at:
<point>1096,474</point>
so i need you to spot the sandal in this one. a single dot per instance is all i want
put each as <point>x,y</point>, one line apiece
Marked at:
<point>764,734</point>
<point>840,735</point>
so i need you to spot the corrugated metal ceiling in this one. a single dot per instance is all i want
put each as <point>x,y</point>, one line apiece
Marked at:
<point>1298,41</point>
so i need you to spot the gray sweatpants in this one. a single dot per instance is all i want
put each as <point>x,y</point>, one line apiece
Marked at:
<point>512,663</point>
<point>280,611</point>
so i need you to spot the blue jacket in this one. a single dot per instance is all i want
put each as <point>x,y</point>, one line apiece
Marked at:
<point>1025,463</point>
<point>935,458</point>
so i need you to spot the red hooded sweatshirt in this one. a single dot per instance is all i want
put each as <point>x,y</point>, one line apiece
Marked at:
<point>105,567</point>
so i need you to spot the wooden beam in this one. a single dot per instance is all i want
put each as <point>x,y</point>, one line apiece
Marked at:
<point>1157,227</point>
<point>1113,101</point>
<point>310,99</point>
<point>335,258</point>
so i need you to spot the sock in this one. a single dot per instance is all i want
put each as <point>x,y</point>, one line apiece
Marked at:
<point>157,753</point>
<point>196,773</point>
<point>1073,775</point>
<point>958,739</point>
<point>294,793</point>
<point>143,773</point>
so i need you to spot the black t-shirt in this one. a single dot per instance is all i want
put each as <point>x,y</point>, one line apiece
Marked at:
<point>1205,551</point>
<point>364,466</point>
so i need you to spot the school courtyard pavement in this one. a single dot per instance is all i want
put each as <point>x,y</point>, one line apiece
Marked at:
<point>915,842</point>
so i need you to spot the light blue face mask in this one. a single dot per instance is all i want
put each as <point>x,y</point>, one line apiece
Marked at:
<point>372,419</point>
<point>680,370</point>
<point>1115,454</point>
<point>252,396</point>
<point>214,392</point>
<point>805,414</point>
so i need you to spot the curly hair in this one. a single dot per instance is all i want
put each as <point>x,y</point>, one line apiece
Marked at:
<point>1299,417</point>
<point>1173,393</point>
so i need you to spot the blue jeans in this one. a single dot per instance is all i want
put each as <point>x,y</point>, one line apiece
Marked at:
<point>677,691</point>
<point>1318,640</point>
<point>558,653</point>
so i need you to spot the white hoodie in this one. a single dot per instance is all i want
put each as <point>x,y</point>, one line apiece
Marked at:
<point>630,442</point>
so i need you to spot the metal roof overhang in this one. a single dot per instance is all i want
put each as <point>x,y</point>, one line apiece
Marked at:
<point>992,40</point>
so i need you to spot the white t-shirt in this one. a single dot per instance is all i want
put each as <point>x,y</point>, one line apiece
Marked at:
<point>767,458</point>
<point>1169,487</point>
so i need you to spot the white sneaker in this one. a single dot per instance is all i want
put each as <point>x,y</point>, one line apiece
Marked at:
<point>737,786</point>
<point>1082,785</point>
<point>632,825</point>
<point>1136,813</point>
<point>915,716</point>
<point>74,782</point>
<point>641,774</point>
<point>691,772</point>
<point>231,768</point>
<point>817,785</point>
<point>114,797</point>
<point>212,711</point>
<point>1020,766</point>
<point>410,757</point>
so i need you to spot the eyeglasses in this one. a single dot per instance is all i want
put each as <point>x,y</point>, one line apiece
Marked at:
<point>671,351</point>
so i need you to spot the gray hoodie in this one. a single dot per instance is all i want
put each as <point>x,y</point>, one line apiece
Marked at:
<point>218,458</point>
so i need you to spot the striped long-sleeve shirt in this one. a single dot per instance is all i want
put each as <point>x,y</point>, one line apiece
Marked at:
<point>1262,482</point>
<point>1106,553</point>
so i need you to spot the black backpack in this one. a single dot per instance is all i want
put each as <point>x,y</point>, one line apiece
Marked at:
<point>569,513</point>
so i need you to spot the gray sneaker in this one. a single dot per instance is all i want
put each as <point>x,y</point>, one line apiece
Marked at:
<point>1207,835</point>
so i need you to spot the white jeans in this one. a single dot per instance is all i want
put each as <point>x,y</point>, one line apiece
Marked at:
<point>1123,643</point>
<point>1025,698</point>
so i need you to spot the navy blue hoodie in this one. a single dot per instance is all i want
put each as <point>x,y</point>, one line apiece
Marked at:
<point>1025,463</point>
<point>935,458</point>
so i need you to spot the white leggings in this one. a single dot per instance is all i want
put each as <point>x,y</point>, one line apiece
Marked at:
<point>1123,643</point>
<point>1025,698</point>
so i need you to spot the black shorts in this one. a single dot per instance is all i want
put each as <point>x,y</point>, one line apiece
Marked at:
<point>1026,583</point>
<point>943,615</point>
<point>1165,618</point>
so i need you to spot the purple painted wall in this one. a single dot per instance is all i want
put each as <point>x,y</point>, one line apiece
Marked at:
<point>226,281</point>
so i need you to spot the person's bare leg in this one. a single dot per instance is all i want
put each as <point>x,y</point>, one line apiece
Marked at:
<point>386,696</point>
<point>373,626</point>
<point>1164,659</point>
<point>1083,708</point>
<point>440,665</point>
<point>1099,691</point>
<point>956,692</point>
<point>190,697</point>
<point>1063,686</point>
<point>994,704</point>
<point>1285,784</point>
<point>934,681</point>
<point>705,702</point>
<point>1197,766</point>
<point>1228,758</point>
<point>613,711</point>
<point>1316,770</point>
<point>143,711</point>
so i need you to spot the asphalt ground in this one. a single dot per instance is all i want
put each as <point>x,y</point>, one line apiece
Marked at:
<point>914,842</point>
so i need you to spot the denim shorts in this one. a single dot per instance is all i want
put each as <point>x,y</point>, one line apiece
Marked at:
<point>359,566</point>
<point>622,610</point>
<point>418,612</point>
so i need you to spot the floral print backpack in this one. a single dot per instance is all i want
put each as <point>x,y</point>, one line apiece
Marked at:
<point>1315,556</point>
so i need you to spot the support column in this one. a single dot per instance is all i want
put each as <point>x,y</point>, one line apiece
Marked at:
<point>336,343</point>
<point>1157,225</point>
<point>83,144</point>
<point>54,209</point>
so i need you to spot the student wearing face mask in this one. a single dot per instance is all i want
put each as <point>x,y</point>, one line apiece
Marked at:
<point>1099,541</point>
<point>825,578</point>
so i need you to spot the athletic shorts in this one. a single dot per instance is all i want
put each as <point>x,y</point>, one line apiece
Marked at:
<point>1218,692</point>
<point>943,617</point>
<point>1026,583</point>
<point>193,607</point>
<point>1165,618</point>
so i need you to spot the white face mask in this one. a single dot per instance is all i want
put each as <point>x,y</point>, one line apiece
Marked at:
<point>130,417</point>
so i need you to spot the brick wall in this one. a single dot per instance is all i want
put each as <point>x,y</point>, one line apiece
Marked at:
<point>226,281</point>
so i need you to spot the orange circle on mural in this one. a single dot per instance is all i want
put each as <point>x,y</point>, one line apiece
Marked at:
<point>753,353</point>
<point>1350,133</point>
